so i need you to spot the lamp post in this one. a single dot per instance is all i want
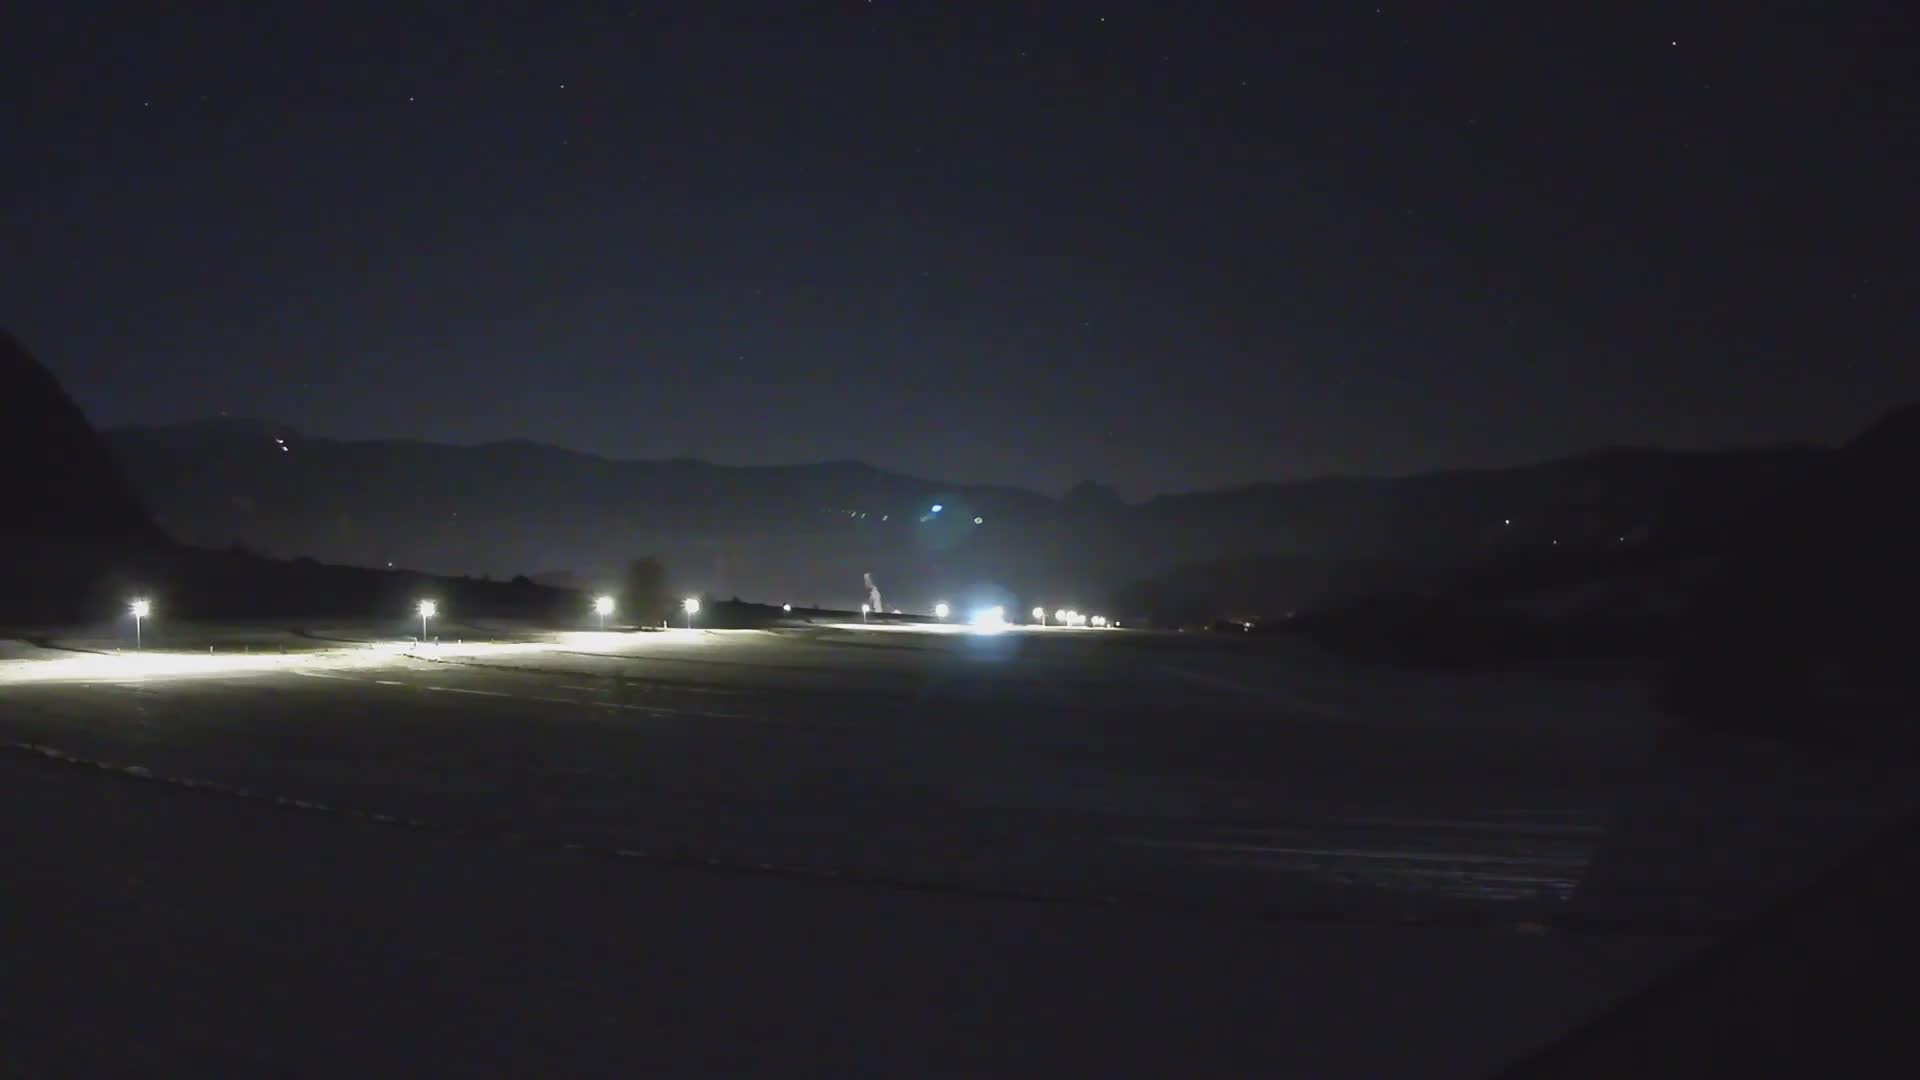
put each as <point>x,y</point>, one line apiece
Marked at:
<point>941,610</point>
<point>140,609</point>
<point>691,605</point>
<point>428,609</point>
<point>603,607</point>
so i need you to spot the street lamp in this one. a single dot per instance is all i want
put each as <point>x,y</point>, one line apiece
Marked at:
<point>140,609</point>
<point>940,610</point>
<point>428,609</point>
<point>603,607</point>
<point>691,605</point>
<point>1040,615</point>
<point>864,608</point>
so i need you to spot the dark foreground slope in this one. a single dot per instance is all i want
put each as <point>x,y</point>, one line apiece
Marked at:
<point>70,515</point>
<point>1823,576</point>
<point>1803,589</point>
<point>62,483</point>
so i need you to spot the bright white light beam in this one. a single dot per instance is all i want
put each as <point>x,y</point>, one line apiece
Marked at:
<point>991,618</point>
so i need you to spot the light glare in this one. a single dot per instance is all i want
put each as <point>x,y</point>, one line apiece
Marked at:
<point>603,605</point>
<point>428,609</point>
<point>691,605</point>
<point>941,610</point>
<point>140,609</point>
<point>991,618</point>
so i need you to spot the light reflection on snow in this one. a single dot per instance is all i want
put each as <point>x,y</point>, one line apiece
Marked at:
<point>158,664</point>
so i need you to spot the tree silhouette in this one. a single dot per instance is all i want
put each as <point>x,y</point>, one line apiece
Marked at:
<point>645,597</point>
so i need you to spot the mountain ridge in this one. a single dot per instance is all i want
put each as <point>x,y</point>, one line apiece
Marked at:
<point>809,531</point>
<point>1612,453</point>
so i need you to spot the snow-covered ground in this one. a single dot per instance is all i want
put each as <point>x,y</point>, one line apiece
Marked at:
<point>857,849</point>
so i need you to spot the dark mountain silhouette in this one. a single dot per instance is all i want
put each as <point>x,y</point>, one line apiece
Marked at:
<point>807,532</point>
<point>800,533</point>
<point>76,544</point>
<point>1448,535</point>
<point>1786,571</point>
<point>1830,562</point>
<point>1819,580</point>
<point>64,484</point>
<point>70,517</point>
<point>1091,497</point>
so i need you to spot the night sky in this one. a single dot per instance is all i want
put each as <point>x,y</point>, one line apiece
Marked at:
<point>1163,246</point>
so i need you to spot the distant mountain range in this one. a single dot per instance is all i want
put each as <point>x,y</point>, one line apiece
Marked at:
<point>77,543</point>
<point>1813,542</point>
<point>806,533</point>
<point>1762,578</point>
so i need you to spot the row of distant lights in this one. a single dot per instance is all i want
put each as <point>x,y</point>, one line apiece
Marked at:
<point>427,609</point>
<point>603,606</point>
<point>932,512</point>
<point>1070,617</point>
<point>997,616</point>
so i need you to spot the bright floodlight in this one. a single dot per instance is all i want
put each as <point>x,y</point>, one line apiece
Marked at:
<point>864,608</point>
<point>1099,620</point>
<point>603,605</point>
<point>990,618</point>
<point>1061,616</point>
<point>428,609</point>
<point>691,605</point>
<point>1040,615</point>
<point>786,607</point>
<point>941,610</point>
<point>138,609</point>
